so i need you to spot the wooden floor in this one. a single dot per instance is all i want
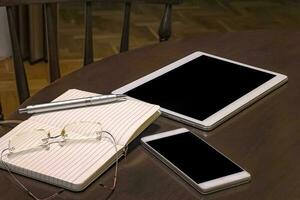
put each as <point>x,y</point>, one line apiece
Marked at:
<point>191,18</point>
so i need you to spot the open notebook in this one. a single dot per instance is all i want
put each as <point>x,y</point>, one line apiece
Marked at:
<point>75,165</point>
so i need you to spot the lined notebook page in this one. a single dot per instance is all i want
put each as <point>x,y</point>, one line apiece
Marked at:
<point>121,119</point>
<point>77,163</point>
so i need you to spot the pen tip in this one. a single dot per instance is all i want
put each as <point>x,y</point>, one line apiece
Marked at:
<point>121,95</point>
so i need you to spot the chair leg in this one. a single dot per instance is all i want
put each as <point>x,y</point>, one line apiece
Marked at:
<point>165,27</point>
<point>126,24</point>
<point>51,26</point>
<point>1,114</point>
<point>20,74</point>
<point>88,45</point>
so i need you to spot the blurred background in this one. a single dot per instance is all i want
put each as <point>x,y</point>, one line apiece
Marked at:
<point>189,19</point>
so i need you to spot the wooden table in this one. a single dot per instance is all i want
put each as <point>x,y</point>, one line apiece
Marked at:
<point>264,139</point>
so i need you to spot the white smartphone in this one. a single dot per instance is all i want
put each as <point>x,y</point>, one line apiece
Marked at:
<point>197,162</point>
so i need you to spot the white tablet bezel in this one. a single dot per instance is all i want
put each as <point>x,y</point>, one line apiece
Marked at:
<point>204,187</point>
<point>223,114</point>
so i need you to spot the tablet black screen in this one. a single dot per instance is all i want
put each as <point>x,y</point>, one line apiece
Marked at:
<point>201,87</point>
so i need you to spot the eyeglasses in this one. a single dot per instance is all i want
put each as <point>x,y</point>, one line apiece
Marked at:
<point>43,139</point>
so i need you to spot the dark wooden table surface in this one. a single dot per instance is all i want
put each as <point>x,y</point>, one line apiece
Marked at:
<point>264,139</point>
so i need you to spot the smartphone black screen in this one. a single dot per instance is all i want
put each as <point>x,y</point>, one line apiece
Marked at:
<point>201,87</point>
<point>194,157</point>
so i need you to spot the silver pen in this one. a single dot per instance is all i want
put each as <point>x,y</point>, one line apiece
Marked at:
<point>73,103</point>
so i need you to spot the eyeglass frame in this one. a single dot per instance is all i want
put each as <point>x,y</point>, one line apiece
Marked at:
<point>47,144</point>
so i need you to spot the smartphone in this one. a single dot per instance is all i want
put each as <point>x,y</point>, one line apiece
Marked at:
<point>197,162</point>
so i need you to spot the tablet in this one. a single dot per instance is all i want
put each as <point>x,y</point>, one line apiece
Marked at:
<point>203,90</point>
